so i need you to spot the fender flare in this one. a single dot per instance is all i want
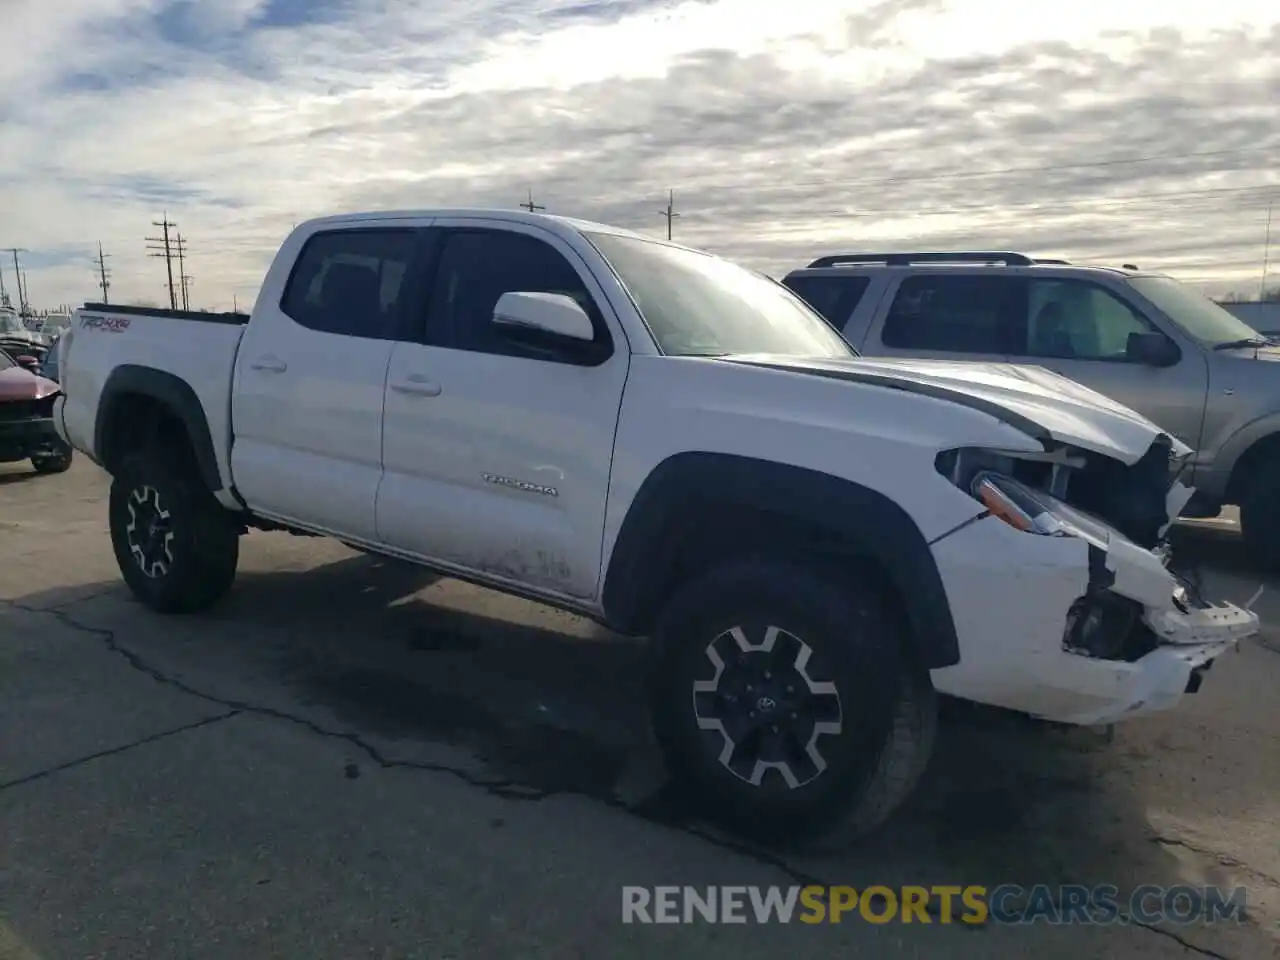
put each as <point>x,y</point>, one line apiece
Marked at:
<point>1234,450</point>
<point>861,522</point>
<point>171,392</point>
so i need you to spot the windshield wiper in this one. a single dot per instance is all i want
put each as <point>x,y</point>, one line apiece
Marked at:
<point>1246,342</point>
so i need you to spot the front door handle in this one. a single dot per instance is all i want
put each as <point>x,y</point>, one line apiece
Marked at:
<point>417,385</point>
<point>269,364</point>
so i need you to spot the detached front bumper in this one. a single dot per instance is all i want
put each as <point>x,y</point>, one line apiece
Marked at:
<point>1015,597</point>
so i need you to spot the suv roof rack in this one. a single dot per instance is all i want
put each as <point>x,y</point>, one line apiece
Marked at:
<point>1065,263</point>
<point>906,259</point>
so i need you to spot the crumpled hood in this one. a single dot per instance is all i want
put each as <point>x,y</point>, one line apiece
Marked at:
<point>17,383</point>
<point>1032,398</point>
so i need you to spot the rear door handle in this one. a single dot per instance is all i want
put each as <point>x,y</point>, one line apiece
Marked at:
<point>418,385</point>
<point>269,364</point>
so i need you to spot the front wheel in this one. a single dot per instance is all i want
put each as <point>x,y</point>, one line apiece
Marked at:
<point>1260,514</point>
<point>783,700</point>
<point>176,546</point>
<point>56,462</point>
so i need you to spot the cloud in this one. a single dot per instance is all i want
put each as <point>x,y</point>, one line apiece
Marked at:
<point>1137,132</point>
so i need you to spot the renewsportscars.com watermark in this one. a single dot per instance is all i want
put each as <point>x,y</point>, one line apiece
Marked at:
<point>975,905</point>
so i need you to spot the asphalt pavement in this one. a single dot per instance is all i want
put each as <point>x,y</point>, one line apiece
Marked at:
<point>353,758</point>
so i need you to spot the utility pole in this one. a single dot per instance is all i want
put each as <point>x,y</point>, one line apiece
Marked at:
<point>670,212</point>
<point>183,279</point>
<point>530,205</point>
<point>102,272</point>
<point>1266,255</point>
<point>162,247</point>
<point>17,276</point>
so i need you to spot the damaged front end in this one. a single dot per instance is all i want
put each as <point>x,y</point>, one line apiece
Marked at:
<point>1134,606</point>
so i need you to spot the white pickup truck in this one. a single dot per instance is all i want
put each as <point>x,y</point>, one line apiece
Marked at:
<point>680,448</point>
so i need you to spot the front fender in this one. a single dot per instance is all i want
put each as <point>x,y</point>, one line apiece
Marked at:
<point>676,499</point>
<point>1214,481</point>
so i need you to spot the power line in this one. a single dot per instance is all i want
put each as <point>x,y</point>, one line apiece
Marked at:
<point>786,182</point>
<point>162,248</point>
<point>103,273</point>
<point>670,212</point>
<point>1177,200</point>
<point>1251,197</point>
<point>530,205</point>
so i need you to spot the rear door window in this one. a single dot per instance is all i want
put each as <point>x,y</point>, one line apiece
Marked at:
<point>957,313</point>
<point>352,282</point>
<point>834,297</point>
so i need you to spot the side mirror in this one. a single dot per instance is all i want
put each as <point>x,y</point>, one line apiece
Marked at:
<point>547,316</point>
<point>28,361</point>
<point>1152,349</point>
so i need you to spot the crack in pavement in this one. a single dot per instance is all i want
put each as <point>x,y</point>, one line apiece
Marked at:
<point>503,788</point>
<point>116,751</point>
<point>1223,859</point>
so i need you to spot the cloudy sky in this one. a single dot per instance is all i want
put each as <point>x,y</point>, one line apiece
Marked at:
<point>1107,130</point>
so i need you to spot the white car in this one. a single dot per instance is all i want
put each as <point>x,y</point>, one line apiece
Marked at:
<point>681,449</point>
<point>14,330</point>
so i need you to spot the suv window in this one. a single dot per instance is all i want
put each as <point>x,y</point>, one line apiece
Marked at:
<point>351,282</point>
<point>477,267</point>
<point>834,297</point>
<point>958,313</point>
<point>1076,320</point>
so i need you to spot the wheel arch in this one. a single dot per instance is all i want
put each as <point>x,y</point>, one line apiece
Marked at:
<point>1261,449</point>
<point>696,508</point>
<point>138,404</point>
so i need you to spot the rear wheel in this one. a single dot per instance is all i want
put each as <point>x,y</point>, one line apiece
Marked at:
<point>783,700</point>
<point>176,546</point>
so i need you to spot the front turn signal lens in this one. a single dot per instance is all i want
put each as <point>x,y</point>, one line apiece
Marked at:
<point>1002,506</point>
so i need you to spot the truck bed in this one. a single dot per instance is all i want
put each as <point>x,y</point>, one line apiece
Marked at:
<point>129,343</point>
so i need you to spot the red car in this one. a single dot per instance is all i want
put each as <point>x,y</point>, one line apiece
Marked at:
<point>26,421</point>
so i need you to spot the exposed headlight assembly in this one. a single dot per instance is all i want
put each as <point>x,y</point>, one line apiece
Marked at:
<point>1033,511</point>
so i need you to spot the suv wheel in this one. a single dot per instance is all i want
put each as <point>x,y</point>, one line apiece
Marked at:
<point>783,701</point>
<point>1260,514</point>
<point>176,546</point>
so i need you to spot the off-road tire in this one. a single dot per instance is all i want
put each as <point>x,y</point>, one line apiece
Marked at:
<point>1260,514</point>
<point>60,462</point>
<point>205,546</point>
<point>887,707</point>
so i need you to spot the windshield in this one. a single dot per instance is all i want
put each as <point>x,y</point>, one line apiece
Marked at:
<point>9,323</point>
<point>697,305</point>
<point>1199,316</point>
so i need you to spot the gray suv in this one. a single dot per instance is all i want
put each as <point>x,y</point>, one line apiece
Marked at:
<point>1142,338</point>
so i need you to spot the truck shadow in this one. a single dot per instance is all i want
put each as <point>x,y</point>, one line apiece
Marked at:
<point>555,704</point>
<point>16,473</point>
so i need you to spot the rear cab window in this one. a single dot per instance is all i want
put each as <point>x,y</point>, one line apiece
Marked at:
<point>834,297</point>
<point>352,282</point>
